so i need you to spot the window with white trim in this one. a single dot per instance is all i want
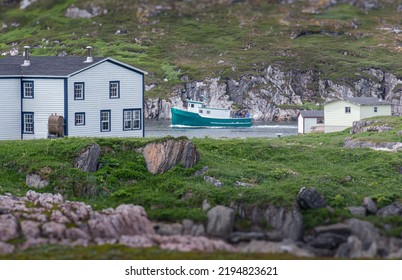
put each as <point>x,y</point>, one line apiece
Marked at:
<point>114,89</point>
<point>375,109</point>
<point>79,91</point>
<point>348,110</point>
<point>105,120</point>
<point>79,119</point>
<point>28,89</point>
<point>131,119</point>
<point>28,123</point>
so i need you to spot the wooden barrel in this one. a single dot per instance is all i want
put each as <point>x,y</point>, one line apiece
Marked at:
<point>56,125</point>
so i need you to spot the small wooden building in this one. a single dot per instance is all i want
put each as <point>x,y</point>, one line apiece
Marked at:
<point>340,114</point>
<point>310,121</point>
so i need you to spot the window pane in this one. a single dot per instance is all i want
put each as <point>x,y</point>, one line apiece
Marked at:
<point>28,89</point>
<point>105,121</point>
<point>114,90</point>
<point>28,123</point>
<point>131,119</point>
<point>78,91</point>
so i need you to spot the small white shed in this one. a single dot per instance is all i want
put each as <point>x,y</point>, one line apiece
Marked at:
<point>340,114</point>
<point>310,121</point>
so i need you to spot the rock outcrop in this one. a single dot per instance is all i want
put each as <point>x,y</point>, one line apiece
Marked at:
<point>92,11</point>
<point>41,219</point>
<point>378,146</point>
<point>34,180</point>
<point>368,126</point>
<point>276,94</point>
<point>88,160</point>
<point>310,199</point>
<point>162,156</point>
<point>220,221</point>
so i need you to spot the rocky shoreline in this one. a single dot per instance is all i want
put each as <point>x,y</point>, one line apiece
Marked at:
<point>39,219</point>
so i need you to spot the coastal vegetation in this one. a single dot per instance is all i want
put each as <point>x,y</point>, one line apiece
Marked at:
<point>276,169</point>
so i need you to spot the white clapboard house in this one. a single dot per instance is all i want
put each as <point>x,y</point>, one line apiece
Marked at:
<point>96,97</point>
<point>340,114</point>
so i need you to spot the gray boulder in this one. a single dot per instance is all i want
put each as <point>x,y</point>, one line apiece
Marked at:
<point>161,157</point>
<point>220,221</point>
<point>8,227</point>
<point>202,171</point>
<point>190,228</point>
<point>357,211</point>
<point>53,230</point>
<point>6,248</point>
<point>310,199</point>
<point>354,248</point>
<point>287,246</point>
<point>88,160</point>
<point>35,181</point>
<point>288,223</point>
<point>168,229</point>
<point>370,205</point>
<point>75,12</point>
<point>213,181</point>
<point>363,230</point>
<point>243,184</point>
<point>30,229</point>
<point>395,209</point>
<point>125,220</point>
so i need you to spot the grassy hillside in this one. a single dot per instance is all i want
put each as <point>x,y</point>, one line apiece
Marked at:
<point>205,39</point>
<point>278,168</point>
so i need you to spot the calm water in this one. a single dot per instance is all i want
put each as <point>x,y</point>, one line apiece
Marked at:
<point>259,129</point>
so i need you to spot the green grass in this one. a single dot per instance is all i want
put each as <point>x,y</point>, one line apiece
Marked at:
<point>119,252</point>
<point>277,168</point>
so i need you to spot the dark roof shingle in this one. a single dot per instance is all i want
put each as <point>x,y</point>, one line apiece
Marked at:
<point>44,65</point>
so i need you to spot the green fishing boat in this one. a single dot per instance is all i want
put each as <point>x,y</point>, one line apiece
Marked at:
<point>199,115</point>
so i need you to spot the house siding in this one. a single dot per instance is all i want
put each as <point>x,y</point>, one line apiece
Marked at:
<point>300,124</point>
<point>335,117</point>
<point>308,123</point>
<point>368,111</point>
<point>48,99</point>
<point>10,109</point>
<point>97,98</point>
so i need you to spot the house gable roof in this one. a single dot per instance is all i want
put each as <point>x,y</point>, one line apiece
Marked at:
<point>53,66</point>
<point>363,101</point>
<point>312,114</point>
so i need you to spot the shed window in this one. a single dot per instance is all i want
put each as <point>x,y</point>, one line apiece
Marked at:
<point>79,91</point>
<point>114,89</point>
<point>131,119</point>
<point>375,109</point>
<point>28,89</point>
<point>79,119</point>
<point>28,123</point>
<point>348,110</point>
<point>105,120</point>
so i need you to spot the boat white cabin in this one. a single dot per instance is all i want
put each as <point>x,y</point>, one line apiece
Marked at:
<point>207,112</point>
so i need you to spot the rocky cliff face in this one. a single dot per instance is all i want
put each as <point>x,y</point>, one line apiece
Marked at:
<point>278,95</point>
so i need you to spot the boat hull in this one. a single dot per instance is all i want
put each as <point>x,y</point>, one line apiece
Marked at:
<point>182,117</point>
